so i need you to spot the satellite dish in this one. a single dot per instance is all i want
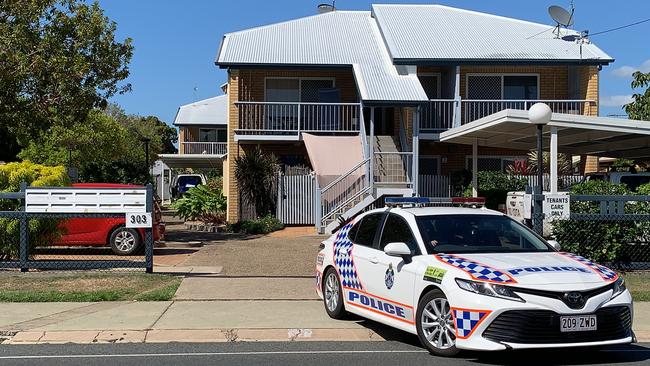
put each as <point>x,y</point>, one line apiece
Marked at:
<point>561,15</point>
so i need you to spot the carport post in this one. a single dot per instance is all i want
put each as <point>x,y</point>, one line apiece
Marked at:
<point>148,234</point>
<point>475,168</point>
<point>553,177</point>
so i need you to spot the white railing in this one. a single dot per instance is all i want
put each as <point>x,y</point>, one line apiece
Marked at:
<point>344,191</point>
<point>438,115</point>
<point>288,118</point>
<point>473,109</point>
<point>393,168</point>
<point>564,181</point>
<point>212,148</point>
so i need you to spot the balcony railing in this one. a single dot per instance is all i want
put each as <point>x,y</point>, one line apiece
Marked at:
<point>442,114</point>
<point>211,148</point>
<point>476,109</point>
<point>287,118</point>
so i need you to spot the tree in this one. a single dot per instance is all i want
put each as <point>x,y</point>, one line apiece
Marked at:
<point>255,172</point>
<point>58,60</point>
<point>639,108</point>
<point>101,148</point>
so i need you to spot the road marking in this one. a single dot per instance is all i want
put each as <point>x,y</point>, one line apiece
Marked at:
<point>254,353</point>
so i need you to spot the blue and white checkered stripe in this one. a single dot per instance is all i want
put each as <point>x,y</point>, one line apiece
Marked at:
<point>604,272</point>
<point>476,270</point>
<point>344,261</point>
<point>467,320</point>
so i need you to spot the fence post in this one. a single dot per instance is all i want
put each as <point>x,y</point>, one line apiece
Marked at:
<point>24,232</point>
<point>148,240</point>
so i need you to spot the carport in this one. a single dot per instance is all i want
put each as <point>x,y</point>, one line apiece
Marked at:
<point>564,133</point>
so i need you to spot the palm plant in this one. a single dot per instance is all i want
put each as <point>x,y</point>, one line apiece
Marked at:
<point>564,166</point>
<point>255,172</point>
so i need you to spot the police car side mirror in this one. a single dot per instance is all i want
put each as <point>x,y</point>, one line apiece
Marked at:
<point>555,244</point>
<point>397,250</point>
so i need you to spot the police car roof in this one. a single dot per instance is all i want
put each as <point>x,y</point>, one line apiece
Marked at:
<point>428,211</point>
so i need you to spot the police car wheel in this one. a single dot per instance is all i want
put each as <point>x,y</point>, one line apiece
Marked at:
<point>333,295</point>
<point>435,324</point>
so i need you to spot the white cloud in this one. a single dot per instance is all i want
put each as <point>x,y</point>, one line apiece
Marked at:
<point>615,100</point>
<point>626,71</point>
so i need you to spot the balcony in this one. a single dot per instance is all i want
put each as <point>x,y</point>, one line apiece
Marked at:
<point>442,114</point>
<point>206,148</point>
<point>287,120</point>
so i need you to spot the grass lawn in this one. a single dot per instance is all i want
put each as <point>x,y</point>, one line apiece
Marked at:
<point>88,287</point>
<point>639,285</point>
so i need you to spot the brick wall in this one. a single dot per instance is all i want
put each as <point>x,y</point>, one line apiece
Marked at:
<point>232,198</point>
<point>457,153</point>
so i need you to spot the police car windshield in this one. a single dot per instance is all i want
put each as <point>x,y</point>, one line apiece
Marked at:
<point>477,234</point>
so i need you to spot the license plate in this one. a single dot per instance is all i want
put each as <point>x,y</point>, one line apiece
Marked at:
<point>578,323</point>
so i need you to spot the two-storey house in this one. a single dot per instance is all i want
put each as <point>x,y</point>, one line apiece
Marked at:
<point>362,97</point>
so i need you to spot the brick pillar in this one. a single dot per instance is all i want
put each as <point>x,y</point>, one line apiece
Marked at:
<point>232,197</point>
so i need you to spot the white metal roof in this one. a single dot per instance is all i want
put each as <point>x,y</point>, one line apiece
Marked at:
<point>442,33</point>
<point>212,111</point>
<point>340,38</point>
<point>197,161</point>
<point>577,135</point>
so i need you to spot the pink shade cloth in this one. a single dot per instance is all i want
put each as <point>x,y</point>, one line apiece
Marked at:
<point>332,156</point>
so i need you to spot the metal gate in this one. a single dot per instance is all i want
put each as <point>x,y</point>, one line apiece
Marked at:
<point>296,203</point>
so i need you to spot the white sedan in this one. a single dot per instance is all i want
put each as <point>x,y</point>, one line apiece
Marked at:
<point>469,278</point>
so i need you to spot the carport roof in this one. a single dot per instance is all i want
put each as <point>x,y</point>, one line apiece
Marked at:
<point>577,135</point>
<point>195,161</point>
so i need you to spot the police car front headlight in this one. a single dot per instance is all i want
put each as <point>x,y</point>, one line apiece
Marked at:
<point>488,289</point>
<point>619,287</point>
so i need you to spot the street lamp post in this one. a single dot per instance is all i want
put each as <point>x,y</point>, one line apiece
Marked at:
<point>539,114</point>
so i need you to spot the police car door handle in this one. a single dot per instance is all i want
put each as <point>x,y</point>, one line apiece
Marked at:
<point>374,260</point>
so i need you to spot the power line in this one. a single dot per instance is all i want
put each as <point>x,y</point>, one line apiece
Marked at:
<point>621,27</point>
<point>537,34</point>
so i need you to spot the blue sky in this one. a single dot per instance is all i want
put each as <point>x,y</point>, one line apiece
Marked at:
<point>176,41</point>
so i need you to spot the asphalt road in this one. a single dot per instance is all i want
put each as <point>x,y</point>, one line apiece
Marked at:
<point>301,353</point>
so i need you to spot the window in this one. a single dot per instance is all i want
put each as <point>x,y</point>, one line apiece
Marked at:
<point>477,233</point>
<point>367,228</point>
<point>222,135</point>
<point>496,87</point>
<point>494,163</point>
<point>301,90</point>
<point>207,135</point>
<point>396,229</point>
<point>520,87</point>
<point>282,90</point>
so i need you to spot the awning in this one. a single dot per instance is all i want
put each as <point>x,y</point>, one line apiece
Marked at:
<point>577,134</point>
<point>194,161</point>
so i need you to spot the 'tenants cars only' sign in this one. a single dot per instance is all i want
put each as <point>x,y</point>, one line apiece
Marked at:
<point>557,206</point>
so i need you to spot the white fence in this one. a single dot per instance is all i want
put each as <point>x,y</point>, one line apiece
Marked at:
<point>212,148</point>
<point>434,186</point>
<point>296,199</point>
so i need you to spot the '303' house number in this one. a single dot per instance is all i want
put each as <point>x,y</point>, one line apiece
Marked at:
<point>138,220</point>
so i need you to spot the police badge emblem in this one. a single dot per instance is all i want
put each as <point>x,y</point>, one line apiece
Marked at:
<point>389,278</point>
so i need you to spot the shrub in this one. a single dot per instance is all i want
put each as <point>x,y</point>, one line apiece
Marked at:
<point>494,186</point>
<point>204,203</point>
<point>597,240</point>
<point>264,225</point>
<point>41,231</point>
<point>255,172</point>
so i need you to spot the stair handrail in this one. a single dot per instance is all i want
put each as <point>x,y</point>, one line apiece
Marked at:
<point>345,175</point>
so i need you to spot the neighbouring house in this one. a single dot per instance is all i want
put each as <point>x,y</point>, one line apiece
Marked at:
<point>394,100</point>
<point>202,137</point>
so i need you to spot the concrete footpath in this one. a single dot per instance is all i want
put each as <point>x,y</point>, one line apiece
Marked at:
<point>198,321</point>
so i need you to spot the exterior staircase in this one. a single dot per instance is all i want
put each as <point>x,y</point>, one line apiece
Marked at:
<point>353,192</point>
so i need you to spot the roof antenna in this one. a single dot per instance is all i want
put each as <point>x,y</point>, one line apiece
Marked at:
<point>562,17</point>
<point>195,93</point>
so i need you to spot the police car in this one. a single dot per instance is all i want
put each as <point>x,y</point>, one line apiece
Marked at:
<point>469,278</point>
